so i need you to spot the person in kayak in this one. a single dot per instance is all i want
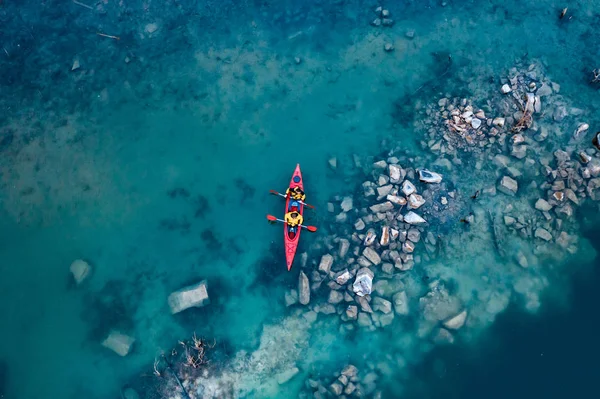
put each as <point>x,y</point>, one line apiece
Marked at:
<point>296,193</point>
<point>293,219</point>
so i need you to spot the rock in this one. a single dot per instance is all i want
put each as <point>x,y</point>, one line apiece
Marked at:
<point>508,186</point>
<point>303,289</point>
<point>286,375</point>
<point>584,157</point>
<point>414,235</point>
<point>335,297</point>
<point>341,218</point>
<point>394,234</point>
<point>75,64</point>
<point>596,140</point>
<point>543,234</point>
<point>382,305</point>
<point>130,393</point>
<point>505,89</point>
<point>544,90</point>
<point>192,296</point>
<point>385,13</point>
<point>456,322</point>
<point>443,336</point>
<point>387,22</point>
<point>344,246</point>
<point>519,151</point>
<point>438,304</point>
<point>427,176</point>
<point>560,113</point>
<point>359,225</point>
<point>383,207</point>
<point>388,47</point>
<point>408,188</point>
<point>380,165</point>
<point>151,28</point>
<point>542,205</point>
<point>414,219</point>
<point>410,34</point>
<point>291,297</point>
<point>395,173</point>
<point>376,22</point>
<point>396,200</point>
<point>370,238</point>
<point>330,207</point>
<point>415,201</point>
<point>363,284</point>
<point>371,255</point>
<point>297,60</point>
<point>498,122</point>
<point>364,320</point>
<point>80,270</point>
<point>400,303</point>
<point>364,304</point>
<point>325,264</point>
<point>332,163</point>
<point>352,312</point>
<point>336,388</point>
<point>383,191</point>
<point>408,247</point>
<point>118,343</point>
<point>502,161</point>
<point>522,260</point>
<point>347,204</point>
<point>385,236</point>
<point>475,123</point>
<point>350,371</point>
<point>581,129</point>
<point>343,277</point>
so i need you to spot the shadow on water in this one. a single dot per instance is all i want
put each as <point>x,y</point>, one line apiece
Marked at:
<point>552,355</point>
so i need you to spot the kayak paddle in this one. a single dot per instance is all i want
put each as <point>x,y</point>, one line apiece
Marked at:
<point>272,218</point>
<point>285,196</point>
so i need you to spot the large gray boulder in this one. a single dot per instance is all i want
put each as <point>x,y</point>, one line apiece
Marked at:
<point>80,270</point>
<point>303,289</point>
<point>192,296</point>
<point>363,283</point>
<point>118,343</point>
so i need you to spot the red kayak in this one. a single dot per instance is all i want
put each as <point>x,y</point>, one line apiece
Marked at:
<point>291,236</point>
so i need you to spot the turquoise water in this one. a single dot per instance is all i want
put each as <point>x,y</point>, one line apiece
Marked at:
<point>154,159</point>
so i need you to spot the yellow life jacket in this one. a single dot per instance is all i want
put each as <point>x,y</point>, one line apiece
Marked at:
<point>293,221</point>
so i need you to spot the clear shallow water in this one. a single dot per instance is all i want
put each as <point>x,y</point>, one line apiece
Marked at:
<point>208,103</point>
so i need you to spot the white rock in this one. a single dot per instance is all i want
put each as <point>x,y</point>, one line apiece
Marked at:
<point>118,342</point>
<point>151,28</point>
<point>456,322</point>
<point>80,270</point>
<point>427,176</point>
<point>383,207</point>
<point>359,225</point>
<point>413,218</point>
<point>347,204</point>
<point>332,163</point>
<point>475,123</point>
<point>508,186</point>
<point>396,200</point>
<point>344,246</point>
<point>542,205</point>
<point>388,47</point>
<point>382,305</point>
<point>582,128</point>
<point>191,296</point>
<point>370,238</point>
<point>385,236</point>
<point>325,264</point>
<point>543,234</point>
<point>380,165</point>
<point>400,303</point>
<point>395,173</point>
<point>415,201</point>
<point>363,283</point>
<point>343,277</point>
<point>286,375</point>
<point>505,89</point>
<point>383,191</point>
<point>408,247</point>
<point>371,255</point>
<point>303,289</point>
<point>75,64</point>
<point>408,188</point>
<point>498,122</point>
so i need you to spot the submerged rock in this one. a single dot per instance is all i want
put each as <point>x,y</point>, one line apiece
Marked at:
<point>400,303</point>
<point>80,270</point>
<point>191,296</point>
<point>363,284</point>
<point>382,305</point>
<point>286,375</point>
<point>118,342</point>
<point>383,207</point>
<point>543,234</point>
<point>347,204</point>
<point>427,176</point>
<point>303,289</point>
<point>371,255</point>
<point>508,186</point>
<point>325,264</point>
<point>542,205</point>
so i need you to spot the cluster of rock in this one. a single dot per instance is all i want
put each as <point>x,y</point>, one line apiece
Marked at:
<point>362,274</point>
<point>346,384</point>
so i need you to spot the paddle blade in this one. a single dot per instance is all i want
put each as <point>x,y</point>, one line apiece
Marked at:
<point>312,229</point>
<point>309,206</point>
<point>271,218</point>
<point>273,192</point>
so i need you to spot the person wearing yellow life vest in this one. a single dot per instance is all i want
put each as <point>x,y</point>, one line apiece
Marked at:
<point>296,193</point>
<point>293,219</point>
